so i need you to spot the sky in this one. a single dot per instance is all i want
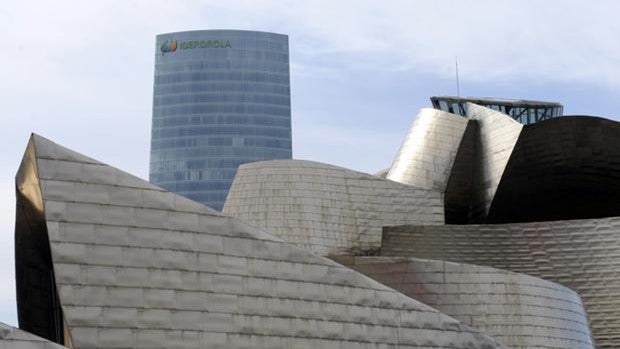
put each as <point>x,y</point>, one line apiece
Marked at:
<point>81,73</point>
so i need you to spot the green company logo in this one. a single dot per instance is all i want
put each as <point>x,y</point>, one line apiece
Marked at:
<point>170,47</point>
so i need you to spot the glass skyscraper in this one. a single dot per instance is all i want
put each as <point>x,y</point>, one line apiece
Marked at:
<point>221,98</point>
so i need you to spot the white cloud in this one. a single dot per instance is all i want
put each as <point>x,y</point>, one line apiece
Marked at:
<point>556,40</point>
<point>566,40</point>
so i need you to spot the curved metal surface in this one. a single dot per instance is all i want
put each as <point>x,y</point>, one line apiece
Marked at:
<point>580,254</point>
<point>324,208</point>
<point>564,168</point>
<point>137,266</point>
<point>427,154</point>
<point>497,136</point>
<point>458,196</point>
<point>382,173</point>
<point>11,337</point>
<point>38,308</point>
<point>517,309</point>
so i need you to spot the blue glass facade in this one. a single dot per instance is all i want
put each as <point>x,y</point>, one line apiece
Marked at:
<point>221,98</point>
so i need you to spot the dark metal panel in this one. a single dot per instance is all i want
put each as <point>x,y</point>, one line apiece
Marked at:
<point>38,308</point>
<point>458,195</point>
<point>565,168</point>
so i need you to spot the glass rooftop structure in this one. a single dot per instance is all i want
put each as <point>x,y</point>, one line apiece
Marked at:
<point>525,112</point>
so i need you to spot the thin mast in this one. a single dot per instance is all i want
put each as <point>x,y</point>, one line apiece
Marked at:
<point>458,88</point>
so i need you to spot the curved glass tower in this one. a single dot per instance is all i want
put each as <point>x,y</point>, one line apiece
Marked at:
<point>221,98</point>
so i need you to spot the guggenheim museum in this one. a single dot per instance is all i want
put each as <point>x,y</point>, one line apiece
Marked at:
<point>496,226</point>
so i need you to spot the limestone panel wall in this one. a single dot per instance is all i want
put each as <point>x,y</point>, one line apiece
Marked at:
<point>14,338</point>
<point>324,208</point>
<point>427,154</point>
<point>580,254</point>
<point>517,309</point>
<point>497,136</point>
<point>135,266</point>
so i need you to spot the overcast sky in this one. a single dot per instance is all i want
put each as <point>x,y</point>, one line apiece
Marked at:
<point>81,73</point>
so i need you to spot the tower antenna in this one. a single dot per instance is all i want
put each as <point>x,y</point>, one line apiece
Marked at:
<point>458,88</point>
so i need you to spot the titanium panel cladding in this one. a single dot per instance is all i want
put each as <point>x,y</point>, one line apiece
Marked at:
<point>221,98</point>
<point>563,168</point>
<point>520,310</point>
<point>427,154</point>
<point>138,267</point>
<point>324,208</point>
<point>580,254</point>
